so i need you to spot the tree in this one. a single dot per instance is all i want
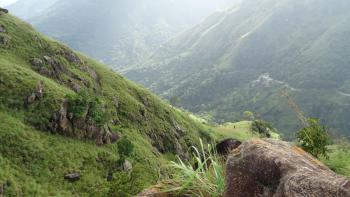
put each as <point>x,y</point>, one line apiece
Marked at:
<point>248,115</point>
<point>314,138</point>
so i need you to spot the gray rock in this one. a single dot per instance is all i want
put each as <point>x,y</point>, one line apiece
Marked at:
<point>71,56</point>
<point>60,121</point>
<point>37,62</point>
<point>275,168</point>
<point>39,90</point>
<point>127,166</point>
<point>4,40</point>
<point>31,99</point>
<point>2,29</point>
<point>73,177</point>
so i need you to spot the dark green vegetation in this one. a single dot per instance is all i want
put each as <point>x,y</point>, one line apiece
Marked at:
<point>116,32</point>
<point>243,58</point>
<point>314,138</point>
<point>61,112</point>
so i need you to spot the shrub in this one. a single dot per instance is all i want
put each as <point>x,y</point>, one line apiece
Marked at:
<point>78,104</point>
<point>314,138</point>
<point>125,148</point>
<point>83,104</point>
<point>206,179</point>
<point>263,128</point>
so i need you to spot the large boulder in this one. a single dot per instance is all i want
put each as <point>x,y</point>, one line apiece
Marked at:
<point>274,168</point>
<point>224,147</point>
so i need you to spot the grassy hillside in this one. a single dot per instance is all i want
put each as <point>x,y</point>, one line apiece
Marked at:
<point>64,113</point>
<point>242,59</point>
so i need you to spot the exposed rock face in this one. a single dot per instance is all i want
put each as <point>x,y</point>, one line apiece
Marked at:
<point>73,177</point>
<point>226,146</point>
<point>64,123</point>
<point>53,67</point>
<point>49,67</point>
<point>36,95</point>
<point>274,168</point>
<point>71,56</point>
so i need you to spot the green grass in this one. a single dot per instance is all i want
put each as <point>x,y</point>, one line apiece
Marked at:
<point>205,180</point>
<point>34,163</point>
<point>239,130</point>
<point>339,158</point>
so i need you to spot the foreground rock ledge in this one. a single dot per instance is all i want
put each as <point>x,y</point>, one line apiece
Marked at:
<point>274,168</point>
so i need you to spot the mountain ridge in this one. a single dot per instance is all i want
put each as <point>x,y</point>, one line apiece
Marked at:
<point>300,43</point>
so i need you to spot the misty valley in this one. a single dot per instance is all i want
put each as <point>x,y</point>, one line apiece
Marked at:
<point>174,98</point>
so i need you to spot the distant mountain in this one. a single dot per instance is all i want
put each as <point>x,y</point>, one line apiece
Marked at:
<point>28,9</point>
<point>119,32</point>
<point>241,59</point>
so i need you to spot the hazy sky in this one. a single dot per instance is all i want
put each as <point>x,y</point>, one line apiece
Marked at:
<point>4,3</point>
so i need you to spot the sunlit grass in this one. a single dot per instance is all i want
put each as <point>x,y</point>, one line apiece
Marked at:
<point>240,130</point>
<point>204,181</point>
<point>339,158</point>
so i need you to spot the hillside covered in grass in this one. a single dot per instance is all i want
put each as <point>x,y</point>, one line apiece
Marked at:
<point>61,113</point>
<point>244,58</point>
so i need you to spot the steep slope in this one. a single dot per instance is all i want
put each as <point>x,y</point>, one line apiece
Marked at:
<point>62,112</point>
<point>241,59</point>
<point>120,32</point>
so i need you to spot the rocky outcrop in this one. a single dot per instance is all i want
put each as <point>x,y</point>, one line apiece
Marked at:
<point>35,95</point>
<point>53,66</point>
<point>66,124</point>
<point>274,168</point>
<point>49,67</point>
<point>226,146</point>
<point>71,56</point>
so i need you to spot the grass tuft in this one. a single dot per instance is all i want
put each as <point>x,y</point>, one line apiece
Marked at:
<point>206,178</point>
